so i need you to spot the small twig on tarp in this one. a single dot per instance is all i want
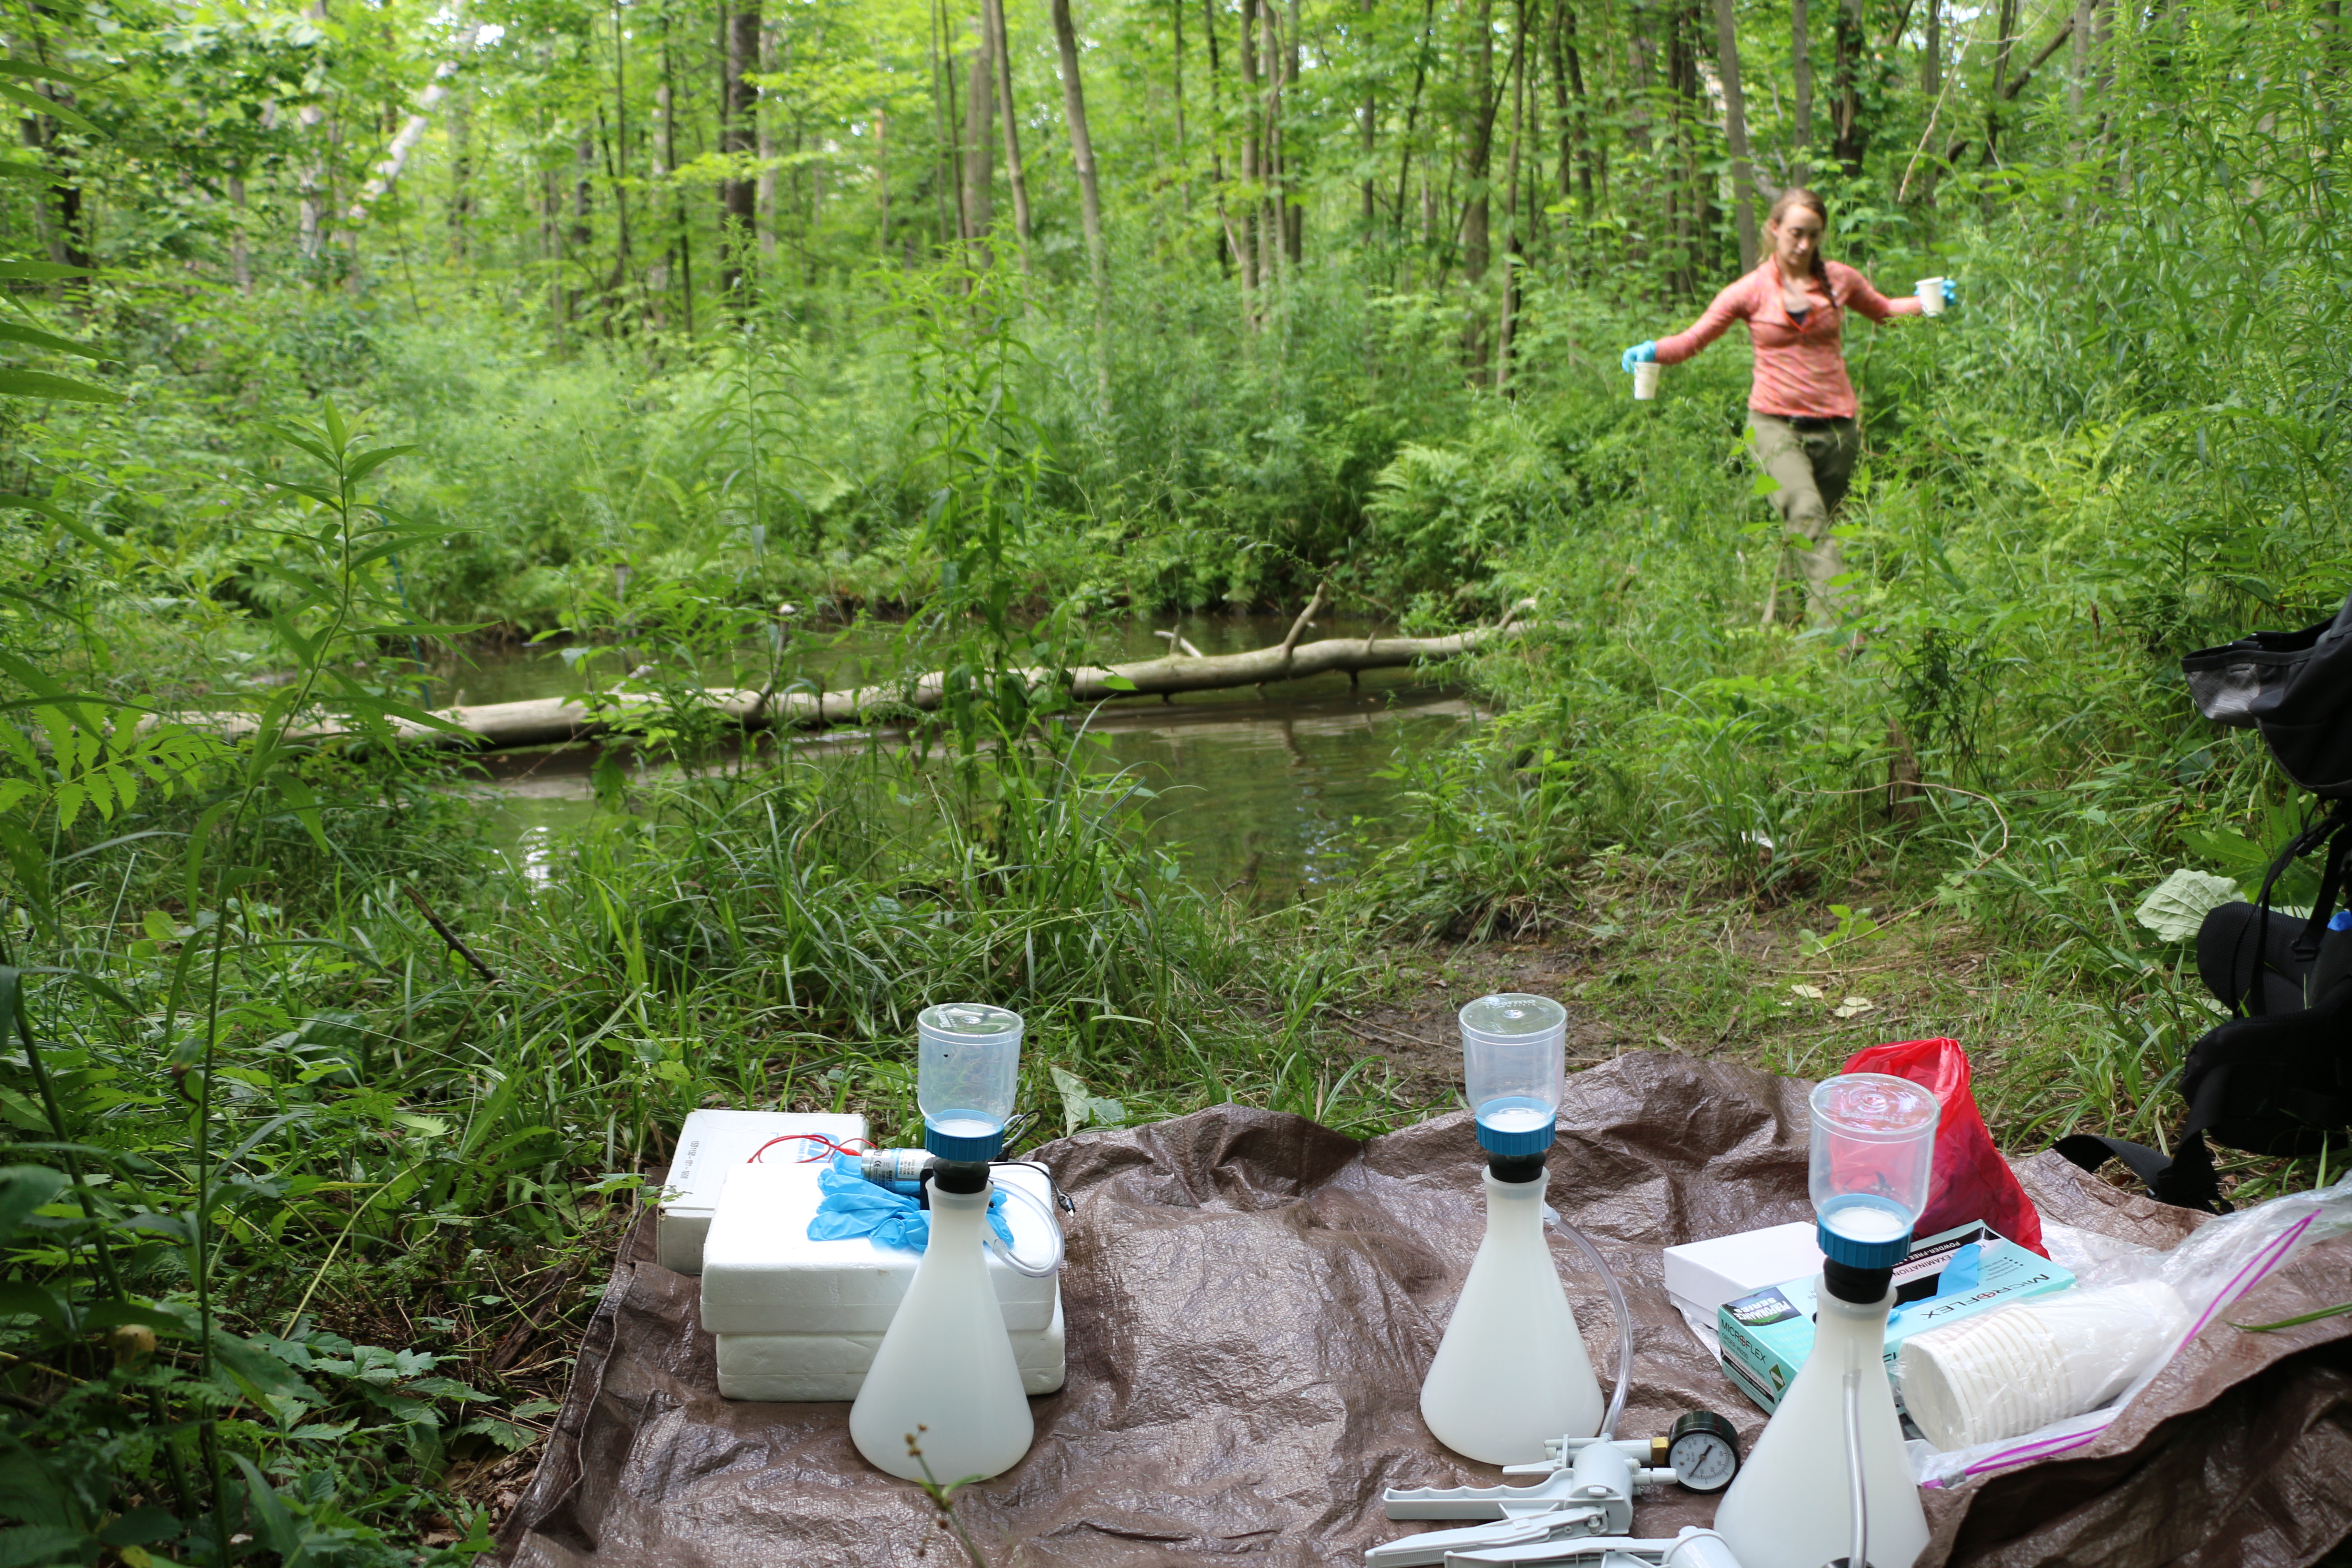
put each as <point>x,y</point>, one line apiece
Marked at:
<point>456,943</point>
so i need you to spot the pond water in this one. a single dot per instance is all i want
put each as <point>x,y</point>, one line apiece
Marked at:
<point>1279,788</point>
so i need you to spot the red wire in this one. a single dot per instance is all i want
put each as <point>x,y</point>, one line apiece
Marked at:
<point>830,1147</point>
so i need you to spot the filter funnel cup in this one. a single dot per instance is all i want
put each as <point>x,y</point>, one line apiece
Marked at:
<point>1874,1149</point>
<point>1515,1069</point>
<point>968,1074</point>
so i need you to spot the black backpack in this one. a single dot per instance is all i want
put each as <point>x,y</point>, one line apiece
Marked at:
<point>2277,1077</point>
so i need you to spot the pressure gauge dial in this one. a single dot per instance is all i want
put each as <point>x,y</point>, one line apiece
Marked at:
<point>1704,1450</point>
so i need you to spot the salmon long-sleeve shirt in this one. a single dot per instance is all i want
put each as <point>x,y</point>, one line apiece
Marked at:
<point>1799,365</point>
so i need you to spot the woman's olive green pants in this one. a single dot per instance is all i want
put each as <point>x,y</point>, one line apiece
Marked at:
<point>1813,461</point>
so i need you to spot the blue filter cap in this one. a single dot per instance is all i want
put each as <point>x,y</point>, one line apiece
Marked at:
<point>1862,1231</point>
<point>965,1139</point>
<point>1515,1126</point>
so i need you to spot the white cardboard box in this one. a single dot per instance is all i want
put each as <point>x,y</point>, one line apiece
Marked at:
<point>711,1144</point>
<point>799,1367</point>
<point>1703,1275</point>
<point>762,1275</point>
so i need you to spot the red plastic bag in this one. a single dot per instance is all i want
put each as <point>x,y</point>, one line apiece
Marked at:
<point>1971,1181</point>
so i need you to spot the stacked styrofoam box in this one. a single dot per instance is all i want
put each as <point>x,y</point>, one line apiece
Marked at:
<point>801,1320</point>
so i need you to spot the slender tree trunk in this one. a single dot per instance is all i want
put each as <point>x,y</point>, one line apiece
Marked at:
<point>1001,44</point>
<point>1271,226</point>
<point>1371,109</point>
<point>1229,250</point>
<point>1294,158</point>
<point>620,156</point>
<point>1507,313</point>
<point>764,135</point>
<point>1931,60</point>
<point>2078,75</point>
<point>312,207</point>
<point>1734,128</point>
<point>1576,120</point>
<point>1082,142</point>
<point>1412,113</point>
<point>1853,132</point>
<point>663,160</point>
<point>1477,245</point>
<point>1800,89</point>
<point>2004,39</point>
<point>1254,243</point>
<point>979,152</point>
<point>946,180</point>
<point>583,237</point>
<point>738,136</point>
<point>1183,156</point>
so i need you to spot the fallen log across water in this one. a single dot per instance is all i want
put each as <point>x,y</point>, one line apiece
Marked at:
<point>553,721</point>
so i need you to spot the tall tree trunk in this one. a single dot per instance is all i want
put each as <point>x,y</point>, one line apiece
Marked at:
<point>2004,41</point>
<point>979,152</point>
<point>1852,45</point>
<point>1294,164</point>
<point>1229,250</point>
<point>1734,128</point>
<point>1372,140</point>
<point>582,239</point>
<point>1271,226</point>
<point>2078,75</point>
<point>461,173</point>
<point>1082,142</point>
<point>882,180</point>
<point>946,175</point>
<point>312,207</point>
<point>1801,88</point>
<point>1255,260</point>
<point>738,136</point>
<point>1001,44</point>
<point>1412,109</point>
<point>763,136</point>
<point>1476,249</point>
<point>1183,156</point>
<point>1507,313</point>
<point>1931,60</point>
<point>1575,118</point>
<point>663,158</point>
<point>620,156</point>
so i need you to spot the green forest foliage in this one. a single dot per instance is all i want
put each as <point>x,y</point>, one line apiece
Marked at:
<point>338,333</point>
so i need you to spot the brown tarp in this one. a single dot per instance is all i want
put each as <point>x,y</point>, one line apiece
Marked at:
<point>1252,1300</point>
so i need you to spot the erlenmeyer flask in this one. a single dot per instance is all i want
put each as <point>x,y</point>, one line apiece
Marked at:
<point>945,1374</point>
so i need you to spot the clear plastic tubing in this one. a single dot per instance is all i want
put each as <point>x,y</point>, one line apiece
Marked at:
<point>968,1073</point>
<point>1053,1232</point>
<point>1625,1327</point>
<point>1515,1069</point>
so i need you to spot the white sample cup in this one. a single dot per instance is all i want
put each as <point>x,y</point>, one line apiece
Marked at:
<point>1645,380</point>
<point>1931,295</point>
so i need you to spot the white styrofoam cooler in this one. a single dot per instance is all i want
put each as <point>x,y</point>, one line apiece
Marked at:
<point>712,1143</point>
<point>796,1367</point>
<point>762,1275</point>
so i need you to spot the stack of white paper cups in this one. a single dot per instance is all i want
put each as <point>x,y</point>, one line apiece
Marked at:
<point>2008,1372</point>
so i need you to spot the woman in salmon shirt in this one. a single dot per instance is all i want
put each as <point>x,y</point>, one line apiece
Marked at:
<point>1800,406</point>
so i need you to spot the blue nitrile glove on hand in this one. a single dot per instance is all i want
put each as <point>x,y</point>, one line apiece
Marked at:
<point>1640,354</point>
<point>1962,1273</point>
<point>1951,293</point>
<point>853,1206</point>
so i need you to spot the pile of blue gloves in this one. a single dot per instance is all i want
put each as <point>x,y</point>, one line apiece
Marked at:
<point>853,1206</point>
